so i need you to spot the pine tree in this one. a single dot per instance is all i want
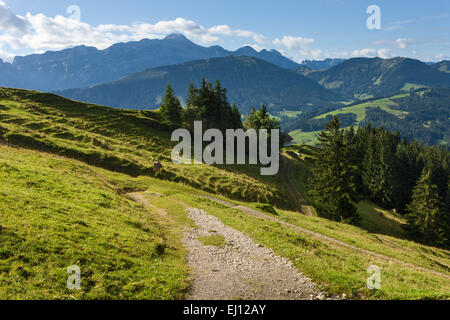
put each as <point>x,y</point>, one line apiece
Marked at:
<point>425,217</point>
<point>261,119</point>
<point>211,106</point>
<point>171,108</point>
<point>236,121</point>
<point>332,183</point>
<point>192,95</point>
<point>379,165</point>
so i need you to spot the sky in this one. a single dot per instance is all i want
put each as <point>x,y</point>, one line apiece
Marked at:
<point>299,29</point>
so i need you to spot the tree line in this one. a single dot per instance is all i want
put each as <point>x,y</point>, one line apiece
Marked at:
<point>210,105</point>
<point>374,163</point>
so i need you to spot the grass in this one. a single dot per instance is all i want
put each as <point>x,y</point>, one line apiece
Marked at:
<point>64,201</point>
<point>412,86</point>
<point>337,269</point>
<point>290,114</point>
<point>301,166</point>
<point>126,251</point>
<point>300,137</point>
<point>378,220</point>
<point>386,104</point>
<point>126,141</point>
<point>360,109</point>
<point>213,240</point>
<point>58,212</point>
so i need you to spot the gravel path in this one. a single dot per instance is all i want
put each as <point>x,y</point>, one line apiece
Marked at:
<point>258,214</point>
<point>241,269</point>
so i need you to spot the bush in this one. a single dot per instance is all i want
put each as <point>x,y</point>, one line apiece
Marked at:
<point>267,208</point>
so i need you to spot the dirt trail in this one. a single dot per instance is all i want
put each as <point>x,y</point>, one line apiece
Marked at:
<point>258,214</point>
<point>240,269</point>
<point>302,204</point>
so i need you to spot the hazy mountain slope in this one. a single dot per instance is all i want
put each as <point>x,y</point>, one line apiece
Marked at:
<point>303,70</point>
<point>365,77</point>
<point>272,56</point>
<point>85,66</point>
<point>250,82</point>
<point>443,66</point>
<point>322,64</point>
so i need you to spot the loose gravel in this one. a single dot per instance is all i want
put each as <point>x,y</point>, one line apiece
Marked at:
<point>242,268</point>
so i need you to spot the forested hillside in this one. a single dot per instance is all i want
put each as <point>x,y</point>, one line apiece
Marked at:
<point>250,82</point>
<point>422,115</point>
<point>362,78</point>
<point>405,177</point>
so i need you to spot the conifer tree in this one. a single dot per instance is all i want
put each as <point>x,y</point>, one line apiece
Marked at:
<point>236,121</point>
<point>261,119</point>
<point>171,108</point>
<point>332,183</point>
<point>192,95</point>
<point>425,217</point>
<point>211,106</point>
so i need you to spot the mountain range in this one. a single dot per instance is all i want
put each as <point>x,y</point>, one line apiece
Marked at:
<point>321,64</point>
<point>85,66</point>
<point>134,75</point>
<point>372,77</point>
<point>249,81</point>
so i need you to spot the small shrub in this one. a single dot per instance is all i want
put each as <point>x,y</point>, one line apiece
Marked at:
<point>267,208</point>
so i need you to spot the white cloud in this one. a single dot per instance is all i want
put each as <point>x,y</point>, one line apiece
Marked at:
<point>40,32</point>
<point>383,53</point>
<point>440,57</point>
<point>9,22</point>
<point>400,43</point>
<point>6,56</point>
<point>293,43</point>
<point>297,48</point>
<point>227,31</point>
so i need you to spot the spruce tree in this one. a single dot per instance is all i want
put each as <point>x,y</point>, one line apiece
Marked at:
<point>332,183</point>
<point>426,221</point>
<point>236,121</point>
<point>171,108</point>
<point>192,96</point>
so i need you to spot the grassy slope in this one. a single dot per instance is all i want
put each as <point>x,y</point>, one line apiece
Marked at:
<point>301,137</point>
<point>121,140</point>
<point>360,109</point>
<point>337,269</point>
<point>58,212</point>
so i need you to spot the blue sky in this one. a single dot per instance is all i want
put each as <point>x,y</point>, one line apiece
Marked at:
<point>299,29</point>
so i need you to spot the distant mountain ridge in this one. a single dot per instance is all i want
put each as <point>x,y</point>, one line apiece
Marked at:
<point>372,77</point>
<point>249,81</point>
<point>322,64</point>
<point>85,66</point>
<point>443,66</point>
